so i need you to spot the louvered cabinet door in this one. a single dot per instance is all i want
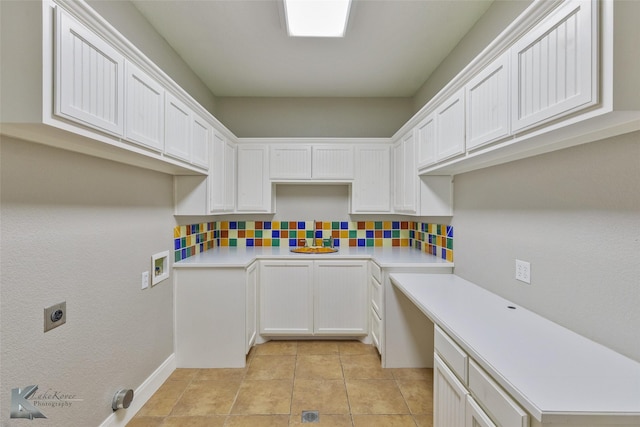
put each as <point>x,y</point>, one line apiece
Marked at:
<point>554,66</point>
<point>89,87</point>
<point>449,396</point>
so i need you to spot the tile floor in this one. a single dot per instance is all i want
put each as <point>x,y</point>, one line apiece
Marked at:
<point>342,380</point>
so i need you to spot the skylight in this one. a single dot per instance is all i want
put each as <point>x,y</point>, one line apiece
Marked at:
<point>317,18</point>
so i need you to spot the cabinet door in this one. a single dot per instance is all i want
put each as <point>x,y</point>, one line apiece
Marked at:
<point>222,175</point>
<point>291,161</point>
<point>410,172</point>
<point>332,162</point>
<point>476,417</point>
<point>177,131</point>
<point>254,186</point>
<point>426,140</point>
<point>252,288</point>
<point>376,329</point>
<point>371,185</point>
<point>488,104</point>
<point>200,141</point>
<point>229,176</point>
<point>341,304</point>
<point>286,297</point>
<point>449,396</point>
<point>450,129</point>
<point>398,176</point>
<point>89,77</point>
<point>217,173</point>
<point>405,174</point>
<point>553,66</point>
<point>144,109</point>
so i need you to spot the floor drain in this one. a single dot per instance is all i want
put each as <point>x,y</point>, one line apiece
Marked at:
<point>310,417</point>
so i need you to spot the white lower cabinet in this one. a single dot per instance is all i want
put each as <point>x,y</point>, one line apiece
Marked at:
<point>210,317</point>
<point>305,298</point>
<point>475,416</point>
<point>286,297</point>
<point>449,396</point>
<point>252,307</point>
<point>375,313</point>
<point>340,298</point>
<point>464,394</point>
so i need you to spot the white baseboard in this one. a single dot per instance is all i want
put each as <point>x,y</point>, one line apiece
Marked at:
<point>142,394</point>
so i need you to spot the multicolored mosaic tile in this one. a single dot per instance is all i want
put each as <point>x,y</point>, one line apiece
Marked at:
<point>189,240</point>
<point>435,239</point>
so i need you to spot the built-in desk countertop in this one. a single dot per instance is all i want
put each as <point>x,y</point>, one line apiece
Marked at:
<point>554,373</point>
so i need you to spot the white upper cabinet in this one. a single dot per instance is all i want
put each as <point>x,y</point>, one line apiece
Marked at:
<point>90,77</point>
<point>144,122</point>
<point>254,186</point>
<point>334,161</point>
<point>177,130</point>
<point>311,161</point>
<point>371,188</point>
<point>290,161</point>
<point>200,141</point>
<point>426,134</point>
<point>487,96</point>
<point>405,175</point>
<point>222,172</point>
<point>450,127</point>
<point>553,66</point>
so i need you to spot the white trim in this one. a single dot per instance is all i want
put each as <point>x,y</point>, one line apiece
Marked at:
<point>142,394</point>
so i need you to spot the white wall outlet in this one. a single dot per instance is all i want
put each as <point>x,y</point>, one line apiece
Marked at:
<point>145,279</point>
<point>523,271</point>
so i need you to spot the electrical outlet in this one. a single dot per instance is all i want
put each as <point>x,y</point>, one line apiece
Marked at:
<point>55,316</point>
<point>145,279</point>
<point>523,271</point>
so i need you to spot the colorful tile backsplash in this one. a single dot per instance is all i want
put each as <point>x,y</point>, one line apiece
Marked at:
<point>192,239</point>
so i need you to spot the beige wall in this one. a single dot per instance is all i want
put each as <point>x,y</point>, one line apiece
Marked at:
<point>498,17</point>
<point>314,117</point>
<point>575,216</point>
<point>82,230</point>
<point>131,24</point>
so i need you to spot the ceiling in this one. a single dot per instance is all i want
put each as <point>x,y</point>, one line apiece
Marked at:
<point>239,48</point>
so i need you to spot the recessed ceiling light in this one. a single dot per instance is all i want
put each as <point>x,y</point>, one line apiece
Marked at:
<point>316,18</point>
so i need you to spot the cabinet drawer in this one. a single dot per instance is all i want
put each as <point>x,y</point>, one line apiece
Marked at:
<point>502,409</point>
<point>453,355</point>
<point>376,294</point>
<point>376,327</point>
<point>376,272</point>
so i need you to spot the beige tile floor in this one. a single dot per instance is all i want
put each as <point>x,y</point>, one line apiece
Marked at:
<point>342,380</point>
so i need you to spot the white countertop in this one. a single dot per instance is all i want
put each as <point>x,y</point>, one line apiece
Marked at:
<point>551,371</point>
<point>243,256</point>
